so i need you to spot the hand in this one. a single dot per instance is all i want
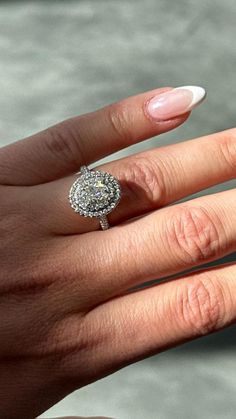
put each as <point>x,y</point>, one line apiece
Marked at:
<point>67,314</point>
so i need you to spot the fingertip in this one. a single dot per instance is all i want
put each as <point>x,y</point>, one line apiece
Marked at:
<point>174,102</point>
<point>171,124</point>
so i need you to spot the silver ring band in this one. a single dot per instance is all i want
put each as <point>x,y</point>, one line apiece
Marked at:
<point>104,222</point>
<point>95,194</point>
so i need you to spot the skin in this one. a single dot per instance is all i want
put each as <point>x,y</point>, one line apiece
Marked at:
<point>68,315</point>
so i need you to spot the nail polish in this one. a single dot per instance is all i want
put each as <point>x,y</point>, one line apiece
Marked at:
<point>175,102</point>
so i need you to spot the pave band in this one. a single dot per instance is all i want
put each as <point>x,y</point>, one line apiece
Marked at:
<point>104,222</point>
<point>95,194</point>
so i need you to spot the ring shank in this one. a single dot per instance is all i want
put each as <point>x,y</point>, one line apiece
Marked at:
<point>104,222</point>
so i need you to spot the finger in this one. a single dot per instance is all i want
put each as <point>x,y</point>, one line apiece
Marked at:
<point>149,180</point>
<point>160,244</point>
<point>62,149</point>
<point>146,322</point>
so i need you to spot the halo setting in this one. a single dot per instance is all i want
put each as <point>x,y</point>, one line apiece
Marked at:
<point>94,193</point>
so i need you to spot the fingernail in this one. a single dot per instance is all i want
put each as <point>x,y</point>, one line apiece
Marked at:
<point>175,102</point>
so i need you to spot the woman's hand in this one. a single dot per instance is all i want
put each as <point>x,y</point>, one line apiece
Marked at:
<point>67,314</point>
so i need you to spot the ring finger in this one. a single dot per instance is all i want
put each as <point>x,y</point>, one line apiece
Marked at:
<point>149,180</point>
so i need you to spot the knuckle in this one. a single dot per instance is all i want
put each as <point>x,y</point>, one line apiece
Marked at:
<point>65,143</point>
<point>201,305</point>
<point>194,235</point>
<point>147,179</point>
<point>227,146</point>
<point>119,119</point>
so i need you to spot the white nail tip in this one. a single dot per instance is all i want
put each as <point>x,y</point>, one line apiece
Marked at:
<point>198,92</point>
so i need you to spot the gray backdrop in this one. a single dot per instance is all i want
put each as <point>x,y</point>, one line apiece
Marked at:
<point>62,58</point>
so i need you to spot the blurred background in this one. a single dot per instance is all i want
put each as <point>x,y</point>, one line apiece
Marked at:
<point>63,58</point>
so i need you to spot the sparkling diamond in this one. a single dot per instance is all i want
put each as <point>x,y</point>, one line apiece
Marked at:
<point>94,193</point>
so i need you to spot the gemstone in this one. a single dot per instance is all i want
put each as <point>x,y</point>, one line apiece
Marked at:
<point>94,193</point>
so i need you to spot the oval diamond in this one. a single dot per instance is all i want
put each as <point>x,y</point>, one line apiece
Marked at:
<point>94,193</point>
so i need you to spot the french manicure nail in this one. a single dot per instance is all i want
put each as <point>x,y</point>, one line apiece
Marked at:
<point>175,102</point>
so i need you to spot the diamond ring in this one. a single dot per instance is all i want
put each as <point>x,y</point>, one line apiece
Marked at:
<point>95,194</point>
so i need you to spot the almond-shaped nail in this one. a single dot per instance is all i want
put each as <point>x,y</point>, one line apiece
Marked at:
<point>175,102</point>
